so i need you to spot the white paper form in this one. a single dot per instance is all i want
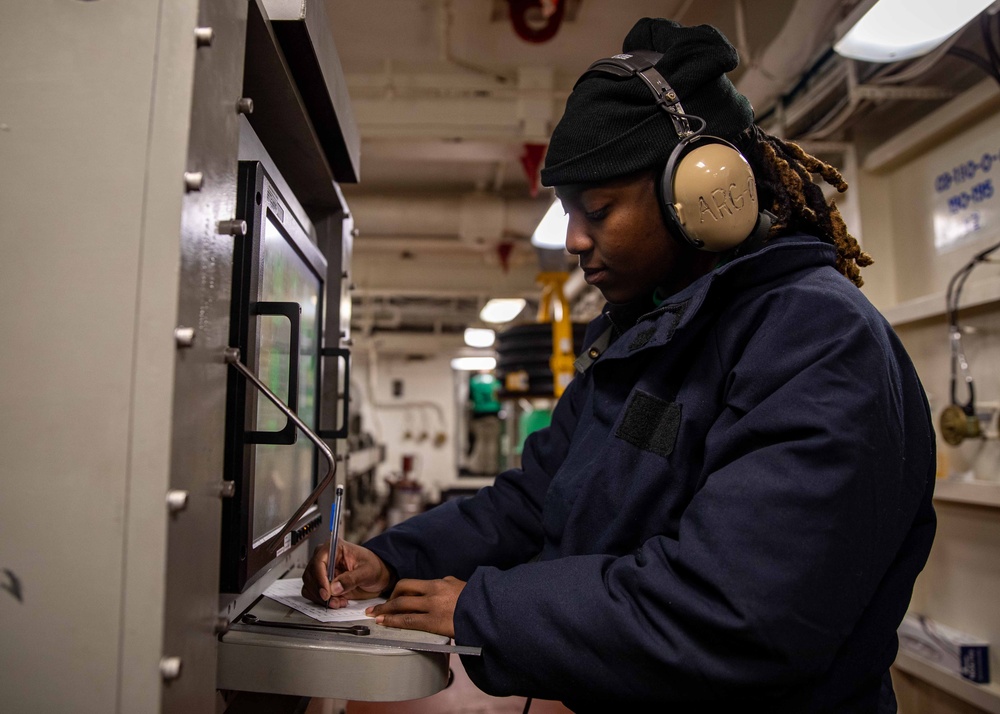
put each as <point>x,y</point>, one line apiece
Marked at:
<point>289,592</point>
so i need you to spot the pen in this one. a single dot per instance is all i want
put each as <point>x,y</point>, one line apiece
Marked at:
<point>335,508</point>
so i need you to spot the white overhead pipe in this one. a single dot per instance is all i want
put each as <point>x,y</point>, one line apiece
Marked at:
<point>445,50</point>
<point>775,70</point>
<point>471,217</point>
<point>392,215</point>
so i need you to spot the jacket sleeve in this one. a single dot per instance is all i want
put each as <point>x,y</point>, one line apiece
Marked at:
<point>814,471</point>
<point>499,526</point>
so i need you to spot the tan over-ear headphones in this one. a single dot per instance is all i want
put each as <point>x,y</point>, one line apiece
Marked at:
<point>707,192</point>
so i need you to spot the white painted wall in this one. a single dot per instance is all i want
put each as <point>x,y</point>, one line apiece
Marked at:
<point>409,424</point>
<point>960,586</point>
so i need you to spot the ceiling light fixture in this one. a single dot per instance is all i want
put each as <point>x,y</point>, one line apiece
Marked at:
<point>499,310</point>
<point>473,364</point>
<point>894,30</point>
<point>479,337</point>
<point>551,231</point>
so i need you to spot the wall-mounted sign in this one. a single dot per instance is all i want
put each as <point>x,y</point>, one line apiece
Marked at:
<point>965,195</point>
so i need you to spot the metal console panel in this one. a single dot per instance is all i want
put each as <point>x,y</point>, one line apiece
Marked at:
<point>303,29</point>
<point>310,665</point>
<point>198,427</point>
<point>93,135</point>
<point>282,121</point>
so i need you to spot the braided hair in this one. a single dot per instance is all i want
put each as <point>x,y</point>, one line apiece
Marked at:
<point>784,173</point>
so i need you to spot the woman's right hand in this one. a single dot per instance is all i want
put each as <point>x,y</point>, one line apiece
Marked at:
<point>359,574</point>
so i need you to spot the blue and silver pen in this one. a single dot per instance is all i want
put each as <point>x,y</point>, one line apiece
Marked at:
<point>335,509</point>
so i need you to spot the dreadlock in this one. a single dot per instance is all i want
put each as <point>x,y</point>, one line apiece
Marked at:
<point>785,181</point>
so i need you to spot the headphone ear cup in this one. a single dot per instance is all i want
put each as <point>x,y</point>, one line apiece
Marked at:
<point>708,194</point>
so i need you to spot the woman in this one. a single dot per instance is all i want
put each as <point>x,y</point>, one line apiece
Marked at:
<point>734,498</point>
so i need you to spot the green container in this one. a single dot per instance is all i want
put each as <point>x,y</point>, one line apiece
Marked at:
<point>530,422</point>
<point>483,394</point>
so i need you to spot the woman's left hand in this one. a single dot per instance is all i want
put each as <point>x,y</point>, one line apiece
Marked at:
<point>427,605</point>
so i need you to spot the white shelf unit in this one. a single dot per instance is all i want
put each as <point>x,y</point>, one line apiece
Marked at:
<point>980,493</point>
<point>981,292</point>
<point>984,696</point>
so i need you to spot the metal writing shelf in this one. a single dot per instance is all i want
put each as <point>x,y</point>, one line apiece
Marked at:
<point>984,696</point>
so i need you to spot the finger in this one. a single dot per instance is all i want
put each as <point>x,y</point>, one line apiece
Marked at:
<point>337,588</point>
<point>314,583</point>
<point>412,586</point>
<point>343,562</point>
<point>408,621</point>
<point>318,568</point>
<point>404,604</point>
<point>335,603</point>
<point>435,622</point>
<point>351,580</point>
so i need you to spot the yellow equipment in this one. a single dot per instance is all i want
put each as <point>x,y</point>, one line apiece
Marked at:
<point>554,308</point>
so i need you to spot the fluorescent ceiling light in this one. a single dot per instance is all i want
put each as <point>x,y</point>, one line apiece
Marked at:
<point>893,30</point>
<point>551,231</point>
<point>500,310</point>
<point>479,337</point>
<point>473,364</point>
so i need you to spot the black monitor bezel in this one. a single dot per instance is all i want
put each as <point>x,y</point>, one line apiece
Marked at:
<point>258,197</point>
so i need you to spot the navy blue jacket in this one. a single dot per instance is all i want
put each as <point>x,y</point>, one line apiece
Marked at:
<point>727,513</point>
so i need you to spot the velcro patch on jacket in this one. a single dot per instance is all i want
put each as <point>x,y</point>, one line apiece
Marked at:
<point>643,337</point>
<point>650,423</point>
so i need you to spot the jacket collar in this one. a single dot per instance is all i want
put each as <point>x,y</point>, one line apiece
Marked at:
<point>640,325</point>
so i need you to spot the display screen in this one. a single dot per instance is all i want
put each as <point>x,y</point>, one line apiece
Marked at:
<point>283,476</point>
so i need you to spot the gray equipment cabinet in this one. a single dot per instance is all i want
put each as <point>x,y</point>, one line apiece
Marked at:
<point>121,127</point>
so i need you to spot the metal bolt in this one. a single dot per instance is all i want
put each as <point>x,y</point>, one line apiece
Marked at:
<point>203,36</point>
<point>244,105</point>
<point>231,354</point>
<point>594,353</point>
<point>193,180</point>
<point>355,232</point>
<point>177,500</point>
<point>234,227</point>
<point>227,489</point>
<point>221,625</point>
<point>348,342</point>
<point>184,336</point>
<point>170,668</point>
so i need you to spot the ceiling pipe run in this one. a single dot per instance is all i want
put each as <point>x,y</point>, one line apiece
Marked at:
<point>477,219</point>
<point>792,52</point>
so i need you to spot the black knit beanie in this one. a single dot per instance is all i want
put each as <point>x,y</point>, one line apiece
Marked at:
<point>612,127</point>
